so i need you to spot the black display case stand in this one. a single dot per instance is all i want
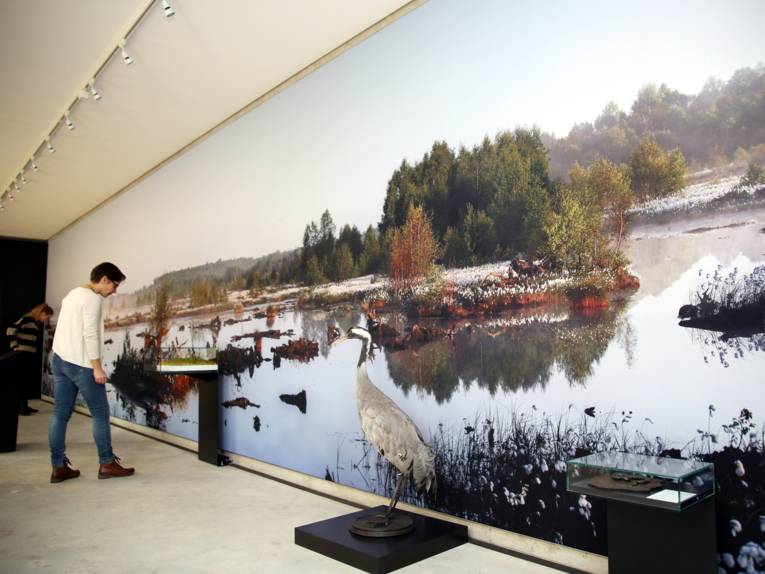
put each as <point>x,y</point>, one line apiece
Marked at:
<point>209,418</point>
<point>642,539</point>
<point>9,402</point>
<point>379,555</point>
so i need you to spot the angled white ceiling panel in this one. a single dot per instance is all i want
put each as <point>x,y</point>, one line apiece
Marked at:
<point>190,73</point>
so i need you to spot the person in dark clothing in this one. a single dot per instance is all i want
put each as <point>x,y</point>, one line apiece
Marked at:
<point>25,337</point>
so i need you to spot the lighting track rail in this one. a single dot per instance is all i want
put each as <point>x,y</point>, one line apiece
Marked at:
<point>89,90</point>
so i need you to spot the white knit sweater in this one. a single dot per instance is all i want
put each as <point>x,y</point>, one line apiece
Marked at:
<point>79,329</point>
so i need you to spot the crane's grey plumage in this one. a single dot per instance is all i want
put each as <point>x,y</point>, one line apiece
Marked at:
<point>389,428</point>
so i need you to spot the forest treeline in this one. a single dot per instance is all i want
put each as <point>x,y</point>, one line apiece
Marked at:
<point>528,193</point>
<point>725,121</point>
<point>521,193</point>
<point>208,283</point>
<point>494,201</point>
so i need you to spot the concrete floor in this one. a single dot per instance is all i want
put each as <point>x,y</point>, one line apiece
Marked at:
<point>175,515</point>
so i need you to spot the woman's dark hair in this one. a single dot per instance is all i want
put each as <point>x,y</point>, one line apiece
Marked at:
<point>108,270</point>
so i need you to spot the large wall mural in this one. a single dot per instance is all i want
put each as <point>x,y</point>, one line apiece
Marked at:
<point>531,297</point>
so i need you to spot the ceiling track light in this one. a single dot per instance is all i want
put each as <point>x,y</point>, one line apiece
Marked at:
<point>93,91</point>
<point>169,12</point>
<point>89,91</point>
<point>125,56</point>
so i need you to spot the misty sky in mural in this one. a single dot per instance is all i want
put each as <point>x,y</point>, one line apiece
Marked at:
<point>451,71</point>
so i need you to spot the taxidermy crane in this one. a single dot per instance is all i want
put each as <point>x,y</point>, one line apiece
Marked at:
<point>389,429</point>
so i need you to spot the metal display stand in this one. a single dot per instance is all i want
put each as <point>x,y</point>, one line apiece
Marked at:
<point>661,513</point>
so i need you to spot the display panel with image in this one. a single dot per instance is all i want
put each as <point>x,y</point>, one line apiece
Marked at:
<point>518,252</point>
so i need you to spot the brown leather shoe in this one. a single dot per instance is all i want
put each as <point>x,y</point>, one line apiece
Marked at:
<point>62,473</point>
<point>114,469</point>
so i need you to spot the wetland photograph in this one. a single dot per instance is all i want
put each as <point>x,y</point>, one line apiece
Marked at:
<point>544,267</point>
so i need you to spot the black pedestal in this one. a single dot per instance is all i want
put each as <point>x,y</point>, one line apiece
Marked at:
<point>209,419</point>
<point>9,402</point>
<point>379,555</point>
<point>643,539</point>
<point>9,421</point>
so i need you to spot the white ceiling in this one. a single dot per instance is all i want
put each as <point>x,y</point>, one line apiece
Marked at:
<point>191,72</point>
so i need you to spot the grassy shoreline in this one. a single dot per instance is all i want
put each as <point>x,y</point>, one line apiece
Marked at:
<point>439,297</point>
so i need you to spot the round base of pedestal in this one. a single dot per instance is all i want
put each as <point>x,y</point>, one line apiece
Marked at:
<point>376,525</point>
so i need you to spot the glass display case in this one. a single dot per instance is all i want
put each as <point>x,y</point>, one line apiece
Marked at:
<point>653,481</point>
<point>183,360</point>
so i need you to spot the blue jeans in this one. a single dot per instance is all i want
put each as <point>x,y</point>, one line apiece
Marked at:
<point>68,379</point>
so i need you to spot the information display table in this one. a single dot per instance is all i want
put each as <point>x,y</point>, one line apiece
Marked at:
<point>661,515</point>
<point>198,363</point>
<point>209,418</point>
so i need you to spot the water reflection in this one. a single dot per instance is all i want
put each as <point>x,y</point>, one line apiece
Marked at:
<point>515,352</point>
<point>511,355</point>
<point>313,324</point>
<point>150,392</point>
<point>725,347</point>
<point>732,304</point>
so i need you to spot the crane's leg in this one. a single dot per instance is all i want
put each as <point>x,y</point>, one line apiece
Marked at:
<point>385,524</point>
<point>394,500</point>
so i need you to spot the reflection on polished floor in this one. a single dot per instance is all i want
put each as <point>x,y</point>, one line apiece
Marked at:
<point>175,515</point>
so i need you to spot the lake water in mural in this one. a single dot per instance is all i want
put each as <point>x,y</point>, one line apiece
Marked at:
<point>517,234</point>
<point>504,399</point>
